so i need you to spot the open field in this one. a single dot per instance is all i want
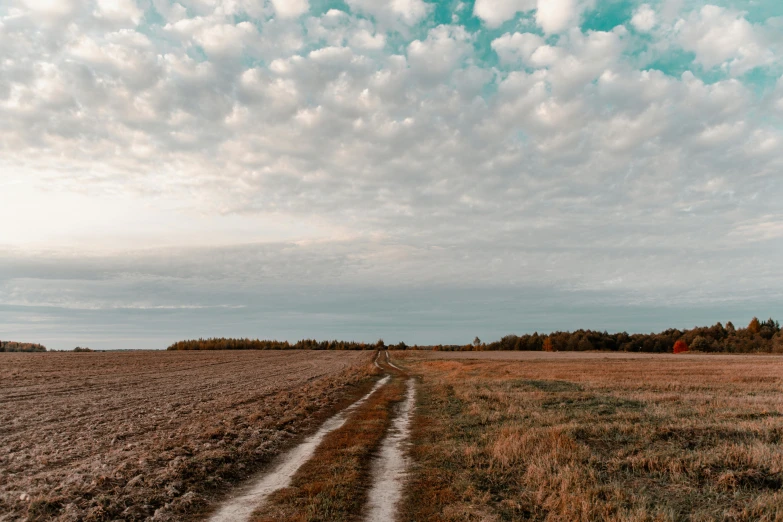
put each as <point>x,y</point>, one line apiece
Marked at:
<point>494,436</point>
<point>106,436</point>
<point>595,436</point>
<point>592,357</point>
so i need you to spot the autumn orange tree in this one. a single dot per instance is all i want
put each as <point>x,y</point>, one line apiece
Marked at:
<point>680,346</point>
<point>754,326</point>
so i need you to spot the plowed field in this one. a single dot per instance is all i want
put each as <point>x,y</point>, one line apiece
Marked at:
<point>105,436</point>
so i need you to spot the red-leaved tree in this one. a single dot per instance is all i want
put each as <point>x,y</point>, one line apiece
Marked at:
<point>680,346</point>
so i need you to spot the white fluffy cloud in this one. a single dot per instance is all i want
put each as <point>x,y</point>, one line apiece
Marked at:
<point>569,66</point>
<point>394,13</point>
<point>644,18</point>
<point>363,39</point>
<point>554,16</point>
<point>517,47</point>
<point>291,8</point>
<point>495,12</point>
<point>216,37</point>
<point>50,10</point>
<point>118,11</point>
<point>722,37</point>
<point>436,57</point>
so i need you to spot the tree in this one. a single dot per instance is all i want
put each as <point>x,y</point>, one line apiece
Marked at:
<point>754,326</point>
<point>769,328</point>
<point>777,342</point>
<point>477,342</point>
<point>547,346</point>
<point>680,346</point>
<point>584,345</point>
<point>700,344</point>
<point>730,327</point>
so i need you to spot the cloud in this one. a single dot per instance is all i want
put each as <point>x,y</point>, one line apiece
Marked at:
<point>517,47</point>
<point>554,16</point>
<point>568,66</point>
<point>363,39</point>
<point>436,57</point>
<point>217,38</point>
<point>494,12</point>
<point>644,18</point>
<point>721,37</point>
<point>118,11</point>
<point>291,8</point>
<point>394,14</point>
<point>50,10</point>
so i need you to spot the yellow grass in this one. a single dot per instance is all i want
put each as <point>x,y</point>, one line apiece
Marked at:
<point>587,437</point>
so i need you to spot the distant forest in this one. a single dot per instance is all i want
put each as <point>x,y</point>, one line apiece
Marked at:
<point>221,343</point>
<point>758,336</point>
<point>10,346</point>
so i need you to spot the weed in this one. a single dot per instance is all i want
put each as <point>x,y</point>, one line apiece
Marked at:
<point>547,386</point>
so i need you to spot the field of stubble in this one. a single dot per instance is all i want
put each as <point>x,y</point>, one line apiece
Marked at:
<point>161,435</point>
<point>596,436</point>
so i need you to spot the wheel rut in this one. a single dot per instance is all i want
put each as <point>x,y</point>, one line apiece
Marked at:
<point>242,505</point>
<point>376,497</point>
<point>390,467</point>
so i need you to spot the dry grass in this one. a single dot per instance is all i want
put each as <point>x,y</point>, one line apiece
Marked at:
<point>130,436</point>
<point>333,485</point>
<point>588,437</point>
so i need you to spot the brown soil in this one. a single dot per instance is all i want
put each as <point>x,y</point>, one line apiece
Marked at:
<point>134,435</point>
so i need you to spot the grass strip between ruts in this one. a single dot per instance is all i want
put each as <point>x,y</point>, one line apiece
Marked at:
<point>333,484</point>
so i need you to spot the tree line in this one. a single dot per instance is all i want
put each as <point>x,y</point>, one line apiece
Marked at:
<point>223,343</point>
<point>758,336</point>
<point>11,346</point>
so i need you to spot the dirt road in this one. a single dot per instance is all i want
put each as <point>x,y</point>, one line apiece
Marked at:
<point>241,505</point>
<point>386,464</point>
<point>389,469</point>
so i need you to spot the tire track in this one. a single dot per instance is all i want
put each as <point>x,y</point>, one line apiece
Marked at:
<point>388,361</point>
<point>389,470</point>
<point>242,506</point>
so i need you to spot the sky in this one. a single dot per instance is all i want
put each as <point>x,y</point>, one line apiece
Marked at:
<point>410,170</point>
